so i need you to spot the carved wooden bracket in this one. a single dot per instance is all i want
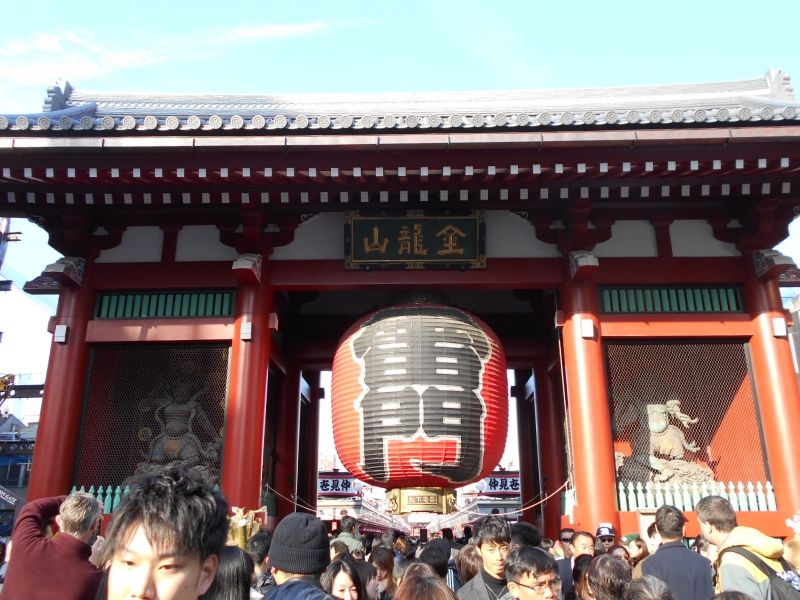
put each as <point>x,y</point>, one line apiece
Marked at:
<point>253,233</point>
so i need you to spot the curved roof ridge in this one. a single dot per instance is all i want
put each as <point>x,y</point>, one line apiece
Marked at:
<point>775,84</point>
<point>768,98</point>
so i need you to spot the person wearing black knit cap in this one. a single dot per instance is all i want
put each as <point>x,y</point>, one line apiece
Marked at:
<point>298,554</point>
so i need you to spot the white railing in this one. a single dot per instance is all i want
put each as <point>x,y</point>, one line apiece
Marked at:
<point>742,496</point>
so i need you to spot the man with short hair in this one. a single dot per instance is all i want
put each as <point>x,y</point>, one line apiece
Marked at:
<point>347,527</point>
<point>493,541</point>
<point>299,553</point>
<point>607,536</point>
<point>165,537</point>
<point>686,573</point>
<point>532,574</point>
<point>564,539</point>
<point>582,543</point>
<point>64,558</point>
<point>738,572</point>
<point>524,534</point>
<point>258,549</point>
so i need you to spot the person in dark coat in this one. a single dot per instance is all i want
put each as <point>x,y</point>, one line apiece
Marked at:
<point>686,573</point>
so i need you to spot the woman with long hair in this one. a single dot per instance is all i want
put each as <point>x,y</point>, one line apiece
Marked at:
<point>638,550</point>
<point>383,560</point>
<point>341,579</point>
<point>234,576</point>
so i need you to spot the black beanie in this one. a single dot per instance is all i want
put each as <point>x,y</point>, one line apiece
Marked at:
<point>300,545</point>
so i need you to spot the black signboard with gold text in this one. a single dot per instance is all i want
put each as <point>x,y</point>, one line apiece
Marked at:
<point>415,240</point>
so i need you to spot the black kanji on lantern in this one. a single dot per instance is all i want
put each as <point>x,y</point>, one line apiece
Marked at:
<point>423,369</point>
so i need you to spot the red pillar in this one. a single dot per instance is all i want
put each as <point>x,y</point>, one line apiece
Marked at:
<point>590,419</point>
<point>778,396</point>
<point>551,447</point>
<point>286,444</point>
<point>62,405</point>
<point>243,453</point>
<point>527,442</point>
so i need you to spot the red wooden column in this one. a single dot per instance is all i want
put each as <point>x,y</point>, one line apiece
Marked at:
<point>527,442</point>
<point>551,447</point>
<point>590,419</point>
<point>243,453</point>
<point>62,405</point>
<point>776,386</point>
<point>287,440</point>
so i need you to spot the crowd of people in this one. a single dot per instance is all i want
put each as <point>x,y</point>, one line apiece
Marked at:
<point>168,540</point>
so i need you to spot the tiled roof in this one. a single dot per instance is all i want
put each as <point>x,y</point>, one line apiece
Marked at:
<point>766,99</point>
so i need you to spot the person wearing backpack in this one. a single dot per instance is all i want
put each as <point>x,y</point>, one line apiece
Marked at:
<point>748,561</point>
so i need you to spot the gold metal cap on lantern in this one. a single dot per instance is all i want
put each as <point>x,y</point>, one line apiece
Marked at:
<point>425,499</point>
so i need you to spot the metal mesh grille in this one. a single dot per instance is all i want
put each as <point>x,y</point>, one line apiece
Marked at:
<point>149,406</point>
<point>712,383</point>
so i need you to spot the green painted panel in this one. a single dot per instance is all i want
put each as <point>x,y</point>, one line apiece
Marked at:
<point>168,304</point>
<point>673,299</point>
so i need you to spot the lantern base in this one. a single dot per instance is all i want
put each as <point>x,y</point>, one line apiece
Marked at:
<point>428,499</point>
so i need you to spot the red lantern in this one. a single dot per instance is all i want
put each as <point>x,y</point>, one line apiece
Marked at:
<point>419,398</point>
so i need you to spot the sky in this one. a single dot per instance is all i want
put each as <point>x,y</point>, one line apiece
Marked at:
<point>352,46</point>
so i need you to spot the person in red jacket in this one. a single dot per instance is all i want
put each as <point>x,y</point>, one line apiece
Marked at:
<point>57,566</point>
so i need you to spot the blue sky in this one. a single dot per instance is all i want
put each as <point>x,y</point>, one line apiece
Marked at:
<point>317,46</point>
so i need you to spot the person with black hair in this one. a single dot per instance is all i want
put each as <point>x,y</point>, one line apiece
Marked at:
<point>578,589</point>
<point>564,540</point>
<point>341,579</point>
<point>686,573</point>
<point>369,579</point>
<point>648,588</point>
<point>436,554</point>
<point>338,548</point>
<point>347,534</point>
<point>382,559</point>
<point>493,540</point>
<point>581,544</point>
<point>532,574</point>
<point>165,538</point>
<point>524,534</point>
<point>607,577</point>
<point>258,549</point>
<point>234,574</point>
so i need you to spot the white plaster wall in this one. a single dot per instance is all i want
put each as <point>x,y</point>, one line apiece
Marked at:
<point>139,244</point>
<point>629,238</point>
<point>696,238</point>
<point>510,236</point>
<point>321,237</point>
<point>201,243</point>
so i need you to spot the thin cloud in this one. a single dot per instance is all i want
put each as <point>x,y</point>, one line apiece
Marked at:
<point>83,55</point>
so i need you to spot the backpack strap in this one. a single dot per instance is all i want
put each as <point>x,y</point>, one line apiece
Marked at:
<point>756,561</point>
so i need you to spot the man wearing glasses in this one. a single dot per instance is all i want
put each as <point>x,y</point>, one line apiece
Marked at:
<point>564,540</point>
<point>531,574</point>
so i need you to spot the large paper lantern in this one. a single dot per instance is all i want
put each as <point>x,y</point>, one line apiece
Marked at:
<point>419,398</point>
